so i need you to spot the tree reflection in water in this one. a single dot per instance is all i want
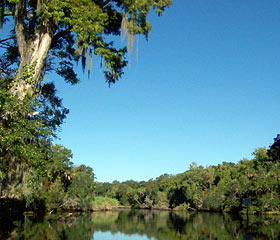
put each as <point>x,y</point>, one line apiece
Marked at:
<point>158,225</point>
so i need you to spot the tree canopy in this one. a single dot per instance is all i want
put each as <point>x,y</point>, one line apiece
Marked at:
<point>53,34</point>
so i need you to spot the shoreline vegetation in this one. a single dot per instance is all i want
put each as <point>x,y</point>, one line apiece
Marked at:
<point>101,204</point>
<point>37,176</point>
<point>221,188</point>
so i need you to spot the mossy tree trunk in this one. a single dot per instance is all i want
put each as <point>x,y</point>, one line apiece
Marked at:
<point>33,46</point>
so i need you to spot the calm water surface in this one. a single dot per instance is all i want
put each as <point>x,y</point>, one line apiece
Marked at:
<point>141,225</point>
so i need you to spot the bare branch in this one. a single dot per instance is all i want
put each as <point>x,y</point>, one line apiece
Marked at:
<point>105,3</point>
<point>6,39</point>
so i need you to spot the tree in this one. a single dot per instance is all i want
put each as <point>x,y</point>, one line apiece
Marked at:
<point>24,145</point>
<point>80,193</point>
<point>50,31</point>
<point>274,150</point>
<point>51,35</point>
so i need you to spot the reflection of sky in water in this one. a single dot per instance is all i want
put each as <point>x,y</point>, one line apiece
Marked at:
<point>118,236</point>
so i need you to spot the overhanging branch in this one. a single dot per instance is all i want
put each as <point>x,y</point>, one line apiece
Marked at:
<point>6,39</point>
<point>106,2</point>
<point>59,35</point>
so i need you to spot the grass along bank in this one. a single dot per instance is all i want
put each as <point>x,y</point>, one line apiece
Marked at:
<point>104,203</point>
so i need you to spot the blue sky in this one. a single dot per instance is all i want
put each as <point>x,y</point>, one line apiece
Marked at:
<point>205,89</point>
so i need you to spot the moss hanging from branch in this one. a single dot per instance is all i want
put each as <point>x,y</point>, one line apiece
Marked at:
<point>124,25</point>
<point>89,62</point>
<point>84,57</point>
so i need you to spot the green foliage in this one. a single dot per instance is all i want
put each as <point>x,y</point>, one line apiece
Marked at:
<point>104,203</point>
<point>34,170</point>
<point>67,187</point>
<point>214,188</point>
<point>81,191</point>
<point>79,28</point>
<point>31,167</point>
<point>55,195</point>
<point>274,150</point>
<point>50,107</point>
<point>24,144</point>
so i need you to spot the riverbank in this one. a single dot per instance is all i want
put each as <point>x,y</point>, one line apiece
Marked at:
<point>16,207</point>
<point>104,204</point>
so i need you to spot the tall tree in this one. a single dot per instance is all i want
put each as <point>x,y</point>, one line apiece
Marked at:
<point>66,30</point>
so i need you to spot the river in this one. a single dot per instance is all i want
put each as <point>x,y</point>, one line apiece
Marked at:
<point>141,225</point>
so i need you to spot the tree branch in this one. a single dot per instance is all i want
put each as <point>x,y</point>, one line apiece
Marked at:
<point>6,39</point>
<point>20,27</point>
<point>105,3</point>
<point>4,71</point>
<point>60,34</point>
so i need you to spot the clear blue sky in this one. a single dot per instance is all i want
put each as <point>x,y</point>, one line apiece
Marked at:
<point>205,88</point>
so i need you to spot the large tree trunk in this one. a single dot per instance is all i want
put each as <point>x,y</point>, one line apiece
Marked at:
<point>33,50</point>
<point>32,60</point>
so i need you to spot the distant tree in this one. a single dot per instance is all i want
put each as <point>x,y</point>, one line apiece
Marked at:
<point>274,150</point>
<point>81,191</point>
<point>102,189</point>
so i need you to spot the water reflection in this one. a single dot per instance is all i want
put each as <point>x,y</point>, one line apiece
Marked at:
<point>118,236</point>
<point>142,225</point>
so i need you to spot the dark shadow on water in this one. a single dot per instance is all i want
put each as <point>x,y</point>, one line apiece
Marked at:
<point>11,210</point>
<point>177,222</point>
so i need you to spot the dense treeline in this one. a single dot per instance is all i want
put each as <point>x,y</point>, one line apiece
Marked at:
<point>35,172</point>
<point>213,188</point>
